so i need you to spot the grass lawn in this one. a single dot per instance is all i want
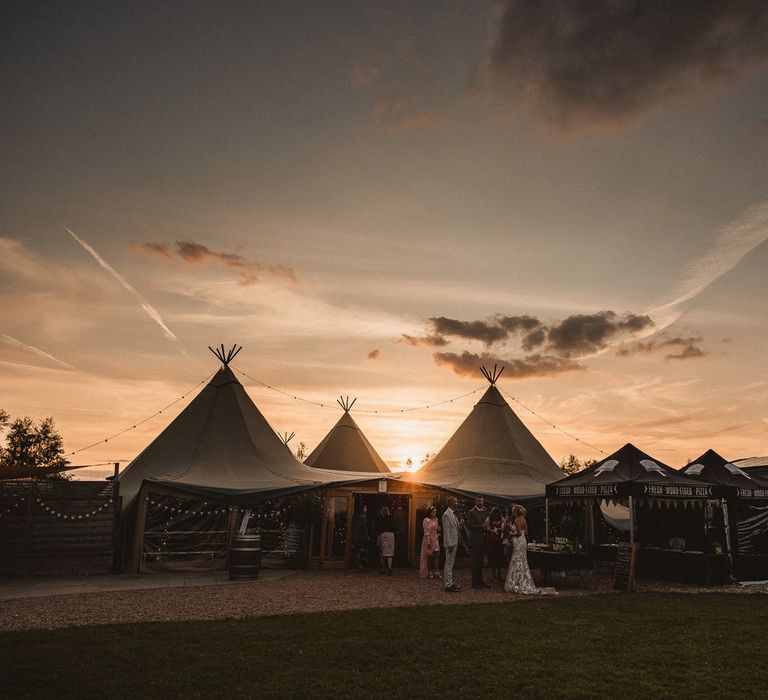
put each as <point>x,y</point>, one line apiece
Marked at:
<point>629,645</point>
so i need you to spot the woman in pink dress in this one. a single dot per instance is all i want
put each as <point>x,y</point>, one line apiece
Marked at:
<point>430,546</point>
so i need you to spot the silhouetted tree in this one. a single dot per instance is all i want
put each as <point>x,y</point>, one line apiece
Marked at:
<point>301,451</point>
<point>32,446</point>
<point>572,464</point>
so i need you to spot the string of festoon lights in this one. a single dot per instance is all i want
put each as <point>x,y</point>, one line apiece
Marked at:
<point>55,512</point>
<point>9,507</point>
<point>325,404</point>
<point>143,420</point>
<point>206,512</point>
<point>422,407</point>
<point>551,424</point>
<point>328,404</point>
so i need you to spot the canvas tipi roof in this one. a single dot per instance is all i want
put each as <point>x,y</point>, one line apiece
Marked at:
<point>492,453</point>
<point>345,448</point>
<point>221,445</point>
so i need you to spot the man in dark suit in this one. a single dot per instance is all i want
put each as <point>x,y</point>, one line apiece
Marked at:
<point>476,522</point>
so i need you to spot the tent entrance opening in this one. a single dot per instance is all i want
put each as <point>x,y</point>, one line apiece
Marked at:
<point>399,508</point>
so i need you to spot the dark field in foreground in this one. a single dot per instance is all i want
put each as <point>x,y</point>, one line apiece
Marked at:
<point>642,645</point>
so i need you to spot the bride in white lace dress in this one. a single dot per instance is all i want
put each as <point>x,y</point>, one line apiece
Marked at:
<point>519,579</point>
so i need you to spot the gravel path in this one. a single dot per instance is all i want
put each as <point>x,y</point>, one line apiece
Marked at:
<point>299,592</point>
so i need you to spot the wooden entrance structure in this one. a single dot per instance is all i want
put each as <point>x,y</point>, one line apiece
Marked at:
<point>335,544</point>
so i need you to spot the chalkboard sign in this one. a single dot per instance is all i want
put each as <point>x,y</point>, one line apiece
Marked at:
<point>624,573</point>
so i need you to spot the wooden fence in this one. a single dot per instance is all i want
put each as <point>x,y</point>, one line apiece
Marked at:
<point>58,527</point>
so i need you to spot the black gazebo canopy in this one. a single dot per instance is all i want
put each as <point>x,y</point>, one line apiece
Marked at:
<point>631,472</point>
<point>715,469</point>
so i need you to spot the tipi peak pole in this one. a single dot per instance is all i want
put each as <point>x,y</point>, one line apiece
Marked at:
<point>345,403</point>
<point>226,356</point>
<point>492,375</point>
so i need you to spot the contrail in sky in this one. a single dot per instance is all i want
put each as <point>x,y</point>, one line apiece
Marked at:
<point>148,308</point>
<point>15,341</point>
<point>735,241</point>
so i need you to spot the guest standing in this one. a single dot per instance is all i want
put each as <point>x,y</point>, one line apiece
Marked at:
<point>361,540</point>
<point>494,548</point>
<point>451,543</point>
<point>476,518</point>
<point>401,535</point>
<point>430,546</point>
<point>385,527</point>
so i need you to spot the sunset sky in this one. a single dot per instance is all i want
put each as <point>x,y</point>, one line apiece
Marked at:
<point>374,198</point>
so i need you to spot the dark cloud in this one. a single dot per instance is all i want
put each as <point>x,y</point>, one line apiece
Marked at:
<point>434,341</point>
<point>688,347</point>
<point>639,347</point>
<point>549,348</point>
<point>577,335</point>
<point>518,324</point>
<point>161,250</point>
<point>585,334</point>
<point>468,363</point>
<point>191,253</point>
<point>533,339</point>
<point>488,332</point>
<point>592,64</point>
<point>374,354</point>
<point>495,329</point>
<point>633,323</point>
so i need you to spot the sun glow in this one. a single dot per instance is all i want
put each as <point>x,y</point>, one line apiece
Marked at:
<point>409,457</point>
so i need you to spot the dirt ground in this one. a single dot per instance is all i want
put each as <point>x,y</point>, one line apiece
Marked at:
<point>291,592</point>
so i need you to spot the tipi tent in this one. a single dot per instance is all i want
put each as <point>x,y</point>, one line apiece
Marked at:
<point>221,446</point>
<point>345,447</point>
<point>492,453</point>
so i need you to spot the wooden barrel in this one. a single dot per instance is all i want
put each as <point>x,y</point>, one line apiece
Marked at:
<point>244,557</point>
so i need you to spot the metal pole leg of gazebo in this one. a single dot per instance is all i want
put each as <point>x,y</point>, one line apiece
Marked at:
<point>631,520</point>
<point>546,520</point>
<point>727,523</point>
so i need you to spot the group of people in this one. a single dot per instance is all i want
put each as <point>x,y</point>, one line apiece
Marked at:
<point>390,530</point>
<point>488,534</point>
